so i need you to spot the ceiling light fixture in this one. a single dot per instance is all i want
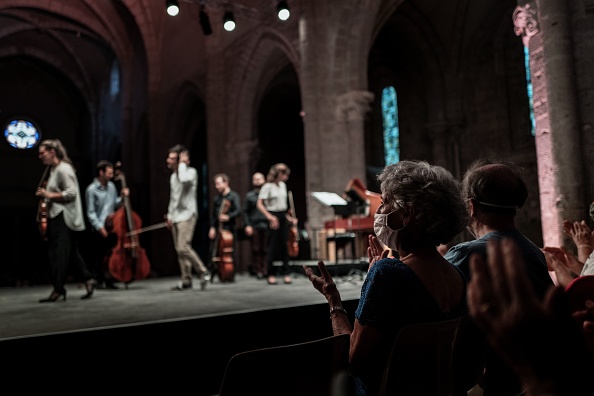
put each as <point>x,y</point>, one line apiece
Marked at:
<point>229,21</point>
<point>172,7</point>
<point>282,9</point>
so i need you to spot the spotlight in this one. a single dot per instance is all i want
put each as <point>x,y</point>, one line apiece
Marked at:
<point>172,7</point>
<point>282,9</point>
<point>229,21</point>
<point>205,22</point>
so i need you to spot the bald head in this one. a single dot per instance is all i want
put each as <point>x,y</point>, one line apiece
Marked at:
<point>258,180</point>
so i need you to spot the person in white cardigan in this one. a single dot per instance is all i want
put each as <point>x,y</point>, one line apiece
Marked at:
<point>65,219</point>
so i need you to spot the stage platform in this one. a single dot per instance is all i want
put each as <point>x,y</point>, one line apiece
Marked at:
<point>181,339</point>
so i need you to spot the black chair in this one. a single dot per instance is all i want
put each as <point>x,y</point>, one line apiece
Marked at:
<point>304,369</point>
<point>437,358</point>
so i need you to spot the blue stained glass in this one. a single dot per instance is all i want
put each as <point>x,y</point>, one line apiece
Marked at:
<point>530,91</point>
<point>114,81</point>
<point>21,134</point>
<point>391,127</point>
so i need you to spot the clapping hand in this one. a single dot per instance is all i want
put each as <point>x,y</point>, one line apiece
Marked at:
<point>322,283</point>
<point>537,338</point>
<point>376,251</point>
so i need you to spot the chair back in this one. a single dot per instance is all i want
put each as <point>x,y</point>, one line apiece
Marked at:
<point>304,369</point>
<point>468,360</point>
<point>430,359</point>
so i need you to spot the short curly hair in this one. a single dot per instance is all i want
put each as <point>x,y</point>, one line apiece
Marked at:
<point>431,192</point>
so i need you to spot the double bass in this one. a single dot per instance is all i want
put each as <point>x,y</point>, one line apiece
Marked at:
<point>128,260</point>
<point>222,254</point>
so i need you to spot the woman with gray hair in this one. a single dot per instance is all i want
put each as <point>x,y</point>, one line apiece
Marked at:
<point>422,208</point>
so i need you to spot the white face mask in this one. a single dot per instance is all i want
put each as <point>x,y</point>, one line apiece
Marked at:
<point>382,230</point>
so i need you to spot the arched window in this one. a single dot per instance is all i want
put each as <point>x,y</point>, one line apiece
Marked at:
<point>530,92</point>
<point>391,128</point>
<point>114,79</point>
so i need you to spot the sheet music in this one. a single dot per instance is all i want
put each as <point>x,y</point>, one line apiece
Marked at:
<point>329,198</point>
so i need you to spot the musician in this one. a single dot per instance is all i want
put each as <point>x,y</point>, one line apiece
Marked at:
<point>182,214</point>
<point>256,227</point>
<point>102,200</point>
<point>227,219</point>
<point>65,219</point>
<point>273,203</point>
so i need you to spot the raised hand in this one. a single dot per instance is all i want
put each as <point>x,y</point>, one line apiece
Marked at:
<point>559,261</point>
<point>537,338</point>
<point>375,250</point>
<point>582,236</point>
<point>322,283</point>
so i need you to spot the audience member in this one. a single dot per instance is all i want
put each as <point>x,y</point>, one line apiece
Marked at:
<point>421,208</point>
<point>182,214</point>
<point>65,219</point>
<point>273,203</point>
<point>582,237</point>
<point>493,191</point>
<point>565,265</point>
<point>256,227</point>
<point>535,336</point>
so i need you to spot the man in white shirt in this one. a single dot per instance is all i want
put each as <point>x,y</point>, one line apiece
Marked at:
<point>182,214</point>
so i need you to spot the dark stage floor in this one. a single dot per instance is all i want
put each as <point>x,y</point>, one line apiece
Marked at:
<point>148,336</point>
<point>151,301</point>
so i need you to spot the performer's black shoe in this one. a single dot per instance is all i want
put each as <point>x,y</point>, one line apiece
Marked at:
<point>55,296</point>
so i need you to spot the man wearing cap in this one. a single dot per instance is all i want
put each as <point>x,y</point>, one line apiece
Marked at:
<point>494,191</point>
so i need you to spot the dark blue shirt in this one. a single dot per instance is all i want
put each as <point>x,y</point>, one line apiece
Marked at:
<point>392,296</point>
<point>534,259</point>
<point>499,378</point>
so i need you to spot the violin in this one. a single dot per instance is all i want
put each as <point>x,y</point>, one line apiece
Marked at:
<point>222,255</point>
<point>128,260</point>
<point>42,207</point>
<point>293,239</point>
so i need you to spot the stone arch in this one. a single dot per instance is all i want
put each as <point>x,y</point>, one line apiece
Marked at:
<point>269,53</point>
<point>408,54</point>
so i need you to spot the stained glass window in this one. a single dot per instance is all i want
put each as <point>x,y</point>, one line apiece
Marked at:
<point>114,79</point>
<point>391,128</point>
<point>530,92</point>
<point>21,134</point>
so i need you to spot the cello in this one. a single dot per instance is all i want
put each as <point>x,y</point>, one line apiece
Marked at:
<point>293,239</point>
<point>222,254</point>
<point>128,260</point>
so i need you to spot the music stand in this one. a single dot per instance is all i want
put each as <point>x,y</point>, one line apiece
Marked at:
<point>341,208</point>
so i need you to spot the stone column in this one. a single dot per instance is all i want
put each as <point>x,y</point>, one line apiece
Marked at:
<point>446,147</point>
<point>351,109</point>
<point>545,28</point>
<point>238,156</point>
